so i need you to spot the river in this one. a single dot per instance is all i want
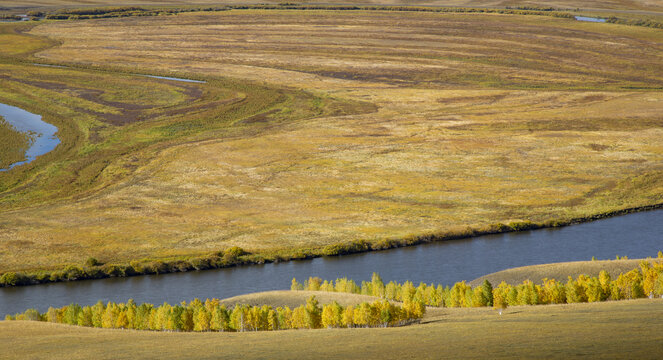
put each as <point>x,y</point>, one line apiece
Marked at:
<point>24,121</point>
<point>635,235</point>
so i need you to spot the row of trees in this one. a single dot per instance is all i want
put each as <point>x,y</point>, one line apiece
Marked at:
<point>637,283</point>
<point>211,315</point>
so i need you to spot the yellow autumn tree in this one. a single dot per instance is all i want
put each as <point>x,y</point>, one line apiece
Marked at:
<point>299,318</point>
<point>328,318</point>
<point>348,319</point>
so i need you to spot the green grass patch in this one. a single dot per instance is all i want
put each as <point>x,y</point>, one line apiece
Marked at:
<point>14,144</point>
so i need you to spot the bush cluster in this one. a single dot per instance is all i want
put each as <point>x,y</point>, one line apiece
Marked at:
<point>637,283</point>
<point>93,13</point>
<point>127,11</point>
<point>211,315</point>
<point>635,22</point>
<point>9,17</point>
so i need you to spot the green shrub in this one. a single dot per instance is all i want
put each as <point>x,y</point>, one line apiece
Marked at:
<point>92,262</point>
<point>346,248</point>
<point>73,272</point>
<point>232,255</point>
<point>11,279</point>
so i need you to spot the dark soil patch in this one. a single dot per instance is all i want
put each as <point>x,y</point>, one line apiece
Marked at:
<point>476,100</point>
<point>597,147</point>
<point>260,118</point>
<point>128,113</point>
<point>201,107</point>
<point>591,98</point>
<point>582,199</point>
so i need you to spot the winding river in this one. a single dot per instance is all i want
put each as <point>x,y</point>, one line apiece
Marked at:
<point>635,235</point>
<point>24,121</point>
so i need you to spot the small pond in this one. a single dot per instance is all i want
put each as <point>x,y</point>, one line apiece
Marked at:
<point>590,19</point>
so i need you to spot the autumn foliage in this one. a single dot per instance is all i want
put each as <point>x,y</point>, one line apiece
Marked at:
<point>211,315</point>
<point>637,283</point>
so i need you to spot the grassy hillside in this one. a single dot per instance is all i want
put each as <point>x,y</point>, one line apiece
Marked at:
<point>292,299</point>
<point>624,329</point>
<point>407,124</point>
<point>559,271</point>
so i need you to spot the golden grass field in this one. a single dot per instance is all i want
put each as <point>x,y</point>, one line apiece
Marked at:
<point>374,125</point>
<point>567,4</point>
<point>293,299</point>
<point>607,330</point>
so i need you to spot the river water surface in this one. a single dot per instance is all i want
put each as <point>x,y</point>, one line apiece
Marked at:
<point>590,19</point>
<point>27,122</point>
<point>174,79</point>
<point>635,235</point>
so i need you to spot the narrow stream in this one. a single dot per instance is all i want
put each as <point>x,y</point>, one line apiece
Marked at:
<point>636,235</point>
<point>24,121</point>
<point>174,79</point>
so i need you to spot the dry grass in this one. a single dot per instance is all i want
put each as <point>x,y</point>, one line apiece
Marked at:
<point>293,299</point>
<point>568,4</point>
<point>14,41</point>
<point>625,329</point>
<point>481,119</point>
<point>559,271</point>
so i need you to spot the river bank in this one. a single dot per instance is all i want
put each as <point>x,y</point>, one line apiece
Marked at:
<point>237,257</point>
<point>443,262</point>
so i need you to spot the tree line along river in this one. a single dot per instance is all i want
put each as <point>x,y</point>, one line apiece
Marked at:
<point>636,235</point>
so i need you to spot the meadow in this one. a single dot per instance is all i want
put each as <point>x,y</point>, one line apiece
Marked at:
<point>632,5</point>
<point>318,128</point>
<point>621,329</point>
<point>610,329</point>
<point>560,271</point>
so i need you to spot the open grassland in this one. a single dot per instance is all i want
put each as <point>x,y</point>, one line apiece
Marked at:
<point>480,119</point>
<point>14,41</point>
<point>624,329</point>
<point>559,271</point>
<point>566,4</point>
<point>411,124</point>
<point>109,122</point>
<point>105,117</point>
